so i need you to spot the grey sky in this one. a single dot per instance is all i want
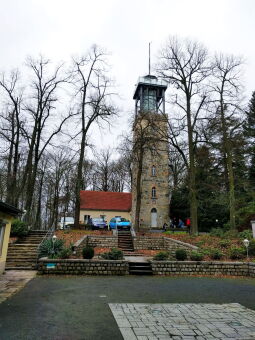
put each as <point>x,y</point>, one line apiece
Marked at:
<point>61,28</point>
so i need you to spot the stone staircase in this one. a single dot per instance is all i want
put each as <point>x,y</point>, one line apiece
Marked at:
<point>140,268</point>
<point>23,254</point>
<point>125,241</point>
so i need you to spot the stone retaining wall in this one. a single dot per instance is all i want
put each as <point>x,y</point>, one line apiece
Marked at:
<point>140,242</point>
<point>203,268</point>
<point>161,243</point>
<point>95,241</point>
<point>150,243</point>
<point>82,267</point>
<point>105,267</point>
<point>172,245</point>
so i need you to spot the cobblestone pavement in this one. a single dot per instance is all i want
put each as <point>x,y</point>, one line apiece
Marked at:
<point>13,280</point>
<point>139,321</point>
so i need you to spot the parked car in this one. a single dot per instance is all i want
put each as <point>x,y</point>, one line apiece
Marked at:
<point>98,223</point>
<point>65,222</point>
<point>120,222</point>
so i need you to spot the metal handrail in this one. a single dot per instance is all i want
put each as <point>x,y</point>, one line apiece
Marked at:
<point>47,236</point>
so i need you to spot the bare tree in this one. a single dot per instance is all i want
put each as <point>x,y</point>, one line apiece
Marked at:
<point>226,121</point>
<point>184,65</point>
<point>41,108</point>
<point>93,103</point>
<point>11,131</point>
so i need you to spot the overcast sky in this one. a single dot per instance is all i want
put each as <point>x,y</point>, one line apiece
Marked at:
<point>59,29</point>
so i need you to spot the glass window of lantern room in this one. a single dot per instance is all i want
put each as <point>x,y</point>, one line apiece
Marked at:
<point>149,102</point>
<point>152,100</point>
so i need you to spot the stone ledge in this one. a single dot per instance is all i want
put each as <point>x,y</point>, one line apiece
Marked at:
<point>188,245</point>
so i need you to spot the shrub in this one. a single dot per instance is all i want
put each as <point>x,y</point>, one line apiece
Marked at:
<point>236,253</point>
<point>224,243</point>
<point>19,228</point>
<point>88,252</point>
<point>65,253</point>
<point>181,254</point>
<point>245,234</point>
<point>216,254</point>
<point>196,256</point>
<point>252,248</point>
<point>218,232</point>
<point>113,254</point>
<point>161,256</point>
<point>47,248</point>
<point>206,251</point>
<point>231,234</point>
<point>200,243</point>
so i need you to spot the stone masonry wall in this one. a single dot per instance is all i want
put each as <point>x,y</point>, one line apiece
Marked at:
<point>95,241</point>
<point>150,243</point>
<point>202,268</point>
<point>172,245</point>
<point>161,243</point>
<point>104,267</point>
<point>82,267</point>
<point>157,158</point>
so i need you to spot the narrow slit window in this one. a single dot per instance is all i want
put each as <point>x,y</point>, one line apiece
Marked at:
<point>153,192</point>
<point>153,170</point>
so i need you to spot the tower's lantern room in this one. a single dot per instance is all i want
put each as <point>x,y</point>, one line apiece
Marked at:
<point>150,95</point>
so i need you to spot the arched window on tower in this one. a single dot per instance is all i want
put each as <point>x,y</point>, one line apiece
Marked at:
<point>153,170</point>
<point>153,192</point>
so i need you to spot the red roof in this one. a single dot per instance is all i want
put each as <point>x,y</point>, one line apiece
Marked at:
<point>106,200</point>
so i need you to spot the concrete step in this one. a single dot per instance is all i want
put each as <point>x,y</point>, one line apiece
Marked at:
<point>21,264</point>
<point>20,268</point>
<point>140,268</point>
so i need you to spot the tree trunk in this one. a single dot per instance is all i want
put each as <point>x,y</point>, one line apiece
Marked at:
<point>79,182</point>
<point>192,174</point>
<point>138,190</point>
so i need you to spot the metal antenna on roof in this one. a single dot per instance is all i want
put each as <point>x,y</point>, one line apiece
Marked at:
<point>149,58</point>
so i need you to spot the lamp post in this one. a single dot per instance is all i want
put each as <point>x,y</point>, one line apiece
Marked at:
<point>54,237</point>
<point>246,244</point>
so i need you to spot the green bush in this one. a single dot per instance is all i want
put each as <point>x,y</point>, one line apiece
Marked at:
<point>252,248</point>
<point>49,249</point>
<point>161,256</point>
<point>224,243</point>
<point>245,215</point>
<point>218,232</point>
<point>245,234</point>
<point>65,253</point>
<point>113,254</point>
<point>19,228</point>
<point>230,234</point>
<point>196,256</point>
<point>236,253</point>
<point>216,254</point>
<point>200,243</point>
<point>181,254</point>
<point>88,252</point>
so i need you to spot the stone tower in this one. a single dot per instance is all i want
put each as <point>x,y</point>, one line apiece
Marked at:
<point>150,168</point>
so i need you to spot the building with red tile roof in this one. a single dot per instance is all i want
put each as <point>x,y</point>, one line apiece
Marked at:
<point>104,204</point>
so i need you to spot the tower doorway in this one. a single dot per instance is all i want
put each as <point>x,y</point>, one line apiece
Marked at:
<point>154,216</point>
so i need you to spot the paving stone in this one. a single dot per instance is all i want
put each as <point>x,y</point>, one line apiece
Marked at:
<point>184,321</point>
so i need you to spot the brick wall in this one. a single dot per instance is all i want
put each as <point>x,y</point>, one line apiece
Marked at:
<point>203,268</point>
<point>82,267</point>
